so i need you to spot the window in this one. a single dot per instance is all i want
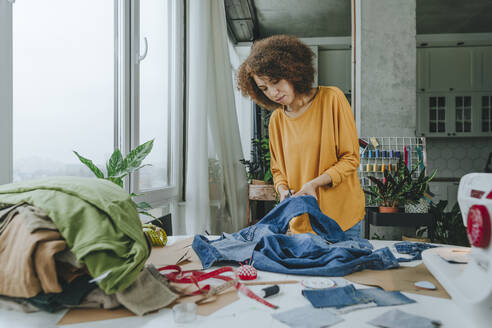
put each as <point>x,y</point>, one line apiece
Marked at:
<point>63,86</point>
<point>90,76</point>
<point>437,114</point>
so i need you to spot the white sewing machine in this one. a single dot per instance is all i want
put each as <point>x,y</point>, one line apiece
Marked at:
<point>470,284</point>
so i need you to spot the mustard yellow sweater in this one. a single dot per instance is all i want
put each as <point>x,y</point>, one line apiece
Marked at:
<point>322,140</point>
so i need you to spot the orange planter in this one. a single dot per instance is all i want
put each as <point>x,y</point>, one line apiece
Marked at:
<point>384,209</point>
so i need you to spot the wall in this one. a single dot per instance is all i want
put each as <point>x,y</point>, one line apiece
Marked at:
<point>387,64</point>
<point>454,158</point>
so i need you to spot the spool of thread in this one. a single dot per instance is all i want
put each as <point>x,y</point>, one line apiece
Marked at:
<point>398,154</point>
<point>269,291</point>
<point>375,168</point>
<point>368,167</point>
<point>391,154</point>
<point>376,153</point>
<point>369,154</point>
<point>389,167</point>
<point>384,154</point>
<point>382,167</point>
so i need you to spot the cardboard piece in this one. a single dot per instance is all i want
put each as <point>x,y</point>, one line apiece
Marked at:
<point>401,279</point>
<point>87,315</point>
<point>214,304</point>
<point>206,308</point>
<point>180,253</point>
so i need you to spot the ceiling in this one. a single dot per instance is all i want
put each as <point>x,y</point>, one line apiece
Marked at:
<point>253,19</point>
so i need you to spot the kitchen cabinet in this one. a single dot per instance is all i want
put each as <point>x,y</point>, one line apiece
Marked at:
<point>334,69</point>
<point>446,69</point>
<point>454,91</point>
<point>454,114</point>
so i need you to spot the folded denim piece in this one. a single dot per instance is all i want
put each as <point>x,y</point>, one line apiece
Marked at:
<point>335,297</point>
<point>308,317</point>
<point>328,253</point>
<point>347,296</point>
<point>400,319</point>
<point>413,249</point>
<point>385,298</point>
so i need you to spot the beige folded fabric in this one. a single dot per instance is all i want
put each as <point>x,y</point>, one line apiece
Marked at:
<point>148,293</point>
<point>28,265</point>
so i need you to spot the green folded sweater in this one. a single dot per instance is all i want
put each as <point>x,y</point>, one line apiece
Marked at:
<point>98,220</point>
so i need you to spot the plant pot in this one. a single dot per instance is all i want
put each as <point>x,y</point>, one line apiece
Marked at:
<point>384,209</point>
<point>415,239</point>
<point>259,182</point>
<point>421,207</point>
<point>262,191</point>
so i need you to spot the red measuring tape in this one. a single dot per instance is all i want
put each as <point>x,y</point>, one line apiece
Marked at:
<point>176,275</point>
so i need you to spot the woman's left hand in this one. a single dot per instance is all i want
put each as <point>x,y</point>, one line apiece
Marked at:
<point>308,188</point>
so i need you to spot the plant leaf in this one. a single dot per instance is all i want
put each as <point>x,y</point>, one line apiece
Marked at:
<point>143,206</point>
<point>133,160</point>
<point>117,181</point>
<point>90,165</point>
<point>115,163</point>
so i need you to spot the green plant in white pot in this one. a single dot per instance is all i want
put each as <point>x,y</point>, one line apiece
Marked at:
<point>118,167</point>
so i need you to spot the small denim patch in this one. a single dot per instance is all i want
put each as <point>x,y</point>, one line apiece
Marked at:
<point>308,317</point>
<point>335,297</point>
<point>345,296</point>
<point>400,319</point>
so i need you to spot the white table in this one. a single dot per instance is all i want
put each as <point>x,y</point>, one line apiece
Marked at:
<point>248,313</point>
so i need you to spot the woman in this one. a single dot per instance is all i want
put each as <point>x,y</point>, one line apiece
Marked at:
<point>313,139</point>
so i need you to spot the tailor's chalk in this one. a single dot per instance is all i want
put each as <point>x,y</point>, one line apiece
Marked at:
<point>269,291</point>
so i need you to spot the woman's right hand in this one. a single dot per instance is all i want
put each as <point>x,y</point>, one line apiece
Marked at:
<point>283,192</point>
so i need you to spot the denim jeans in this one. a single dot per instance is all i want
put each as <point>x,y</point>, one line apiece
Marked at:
<point>329,253</point>
<point>414,249</point>
<point>355,231</point>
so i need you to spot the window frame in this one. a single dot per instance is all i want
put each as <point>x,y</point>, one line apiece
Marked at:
<point>126,105</point>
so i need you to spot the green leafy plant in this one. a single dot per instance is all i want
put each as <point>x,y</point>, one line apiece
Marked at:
<point>399,188</point>
<point>259,165</point>
<point>118,167</point>
<point>449,227</point>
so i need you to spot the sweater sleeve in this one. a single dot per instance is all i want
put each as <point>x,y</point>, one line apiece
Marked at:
<point>276,155</point>
<point>347,145</point>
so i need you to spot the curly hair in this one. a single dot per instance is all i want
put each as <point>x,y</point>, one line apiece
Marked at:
<point>277,57</point>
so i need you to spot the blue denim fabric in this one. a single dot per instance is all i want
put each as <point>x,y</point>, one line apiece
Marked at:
<point>414,249</point>
<point>335,297</point>
<point>400,319</point>
<point>348,295</point>
<point>308,317</point>
<point>355,231</point>
<point>385,298</point>
<point>329,253</point>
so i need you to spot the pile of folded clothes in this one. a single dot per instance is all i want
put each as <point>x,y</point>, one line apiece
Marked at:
<point>75,242</point>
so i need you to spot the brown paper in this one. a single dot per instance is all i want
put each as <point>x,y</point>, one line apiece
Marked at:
<point>180,253</point>
<point>210,306</point>
<point>87,315</point>
<point>402,279</point>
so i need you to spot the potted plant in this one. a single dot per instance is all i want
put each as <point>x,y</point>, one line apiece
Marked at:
<point>398,188</point>
<point>416,191</point>
<point>258,170</point>
<point>117,168</point>
<point>388,193</point>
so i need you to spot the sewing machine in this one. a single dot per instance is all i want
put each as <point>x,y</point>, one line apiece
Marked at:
<point>469,284</point>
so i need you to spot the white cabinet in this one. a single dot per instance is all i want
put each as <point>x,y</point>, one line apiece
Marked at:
<point>334,69</point>
<point>454,114</point>
<point>483,57</point>
<point>454,91</point>
<point>445,69</point>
